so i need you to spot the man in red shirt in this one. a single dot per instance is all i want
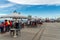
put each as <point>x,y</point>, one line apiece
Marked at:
<point>6,25</point>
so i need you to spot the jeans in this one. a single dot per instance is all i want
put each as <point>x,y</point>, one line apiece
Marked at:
<point>1,29</point>
<point>7,28</point>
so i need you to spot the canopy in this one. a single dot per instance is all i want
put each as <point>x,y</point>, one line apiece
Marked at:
<point>14,15</point>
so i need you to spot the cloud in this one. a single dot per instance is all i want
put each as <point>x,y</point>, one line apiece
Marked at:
<point>6,5</point>
<point>2,14</point>
<point>36,2</point>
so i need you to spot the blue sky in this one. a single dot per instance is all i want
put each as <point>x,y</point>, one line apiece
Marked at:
<point>41,10</point>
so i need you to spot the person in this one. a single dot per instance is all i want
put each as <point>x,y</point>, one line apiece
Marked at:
<point>7,26</point>
<point>11,24</point>
<point>33,24</point>
<point>16,24</point>
<point>2,27</point>
<point>22,24</point>
<point>40,22</point>
<point>28,22</point>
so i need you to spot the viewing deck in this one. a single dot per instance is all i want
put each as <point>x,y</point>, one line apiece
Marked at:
<point>48,31</point>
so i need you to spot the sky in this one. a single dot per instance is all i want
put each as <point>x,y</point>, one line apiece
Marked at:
<point>39,8</point>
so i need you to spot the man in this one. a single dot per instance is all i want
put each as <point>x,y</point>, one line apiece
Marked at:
<point>2,27</point>
<point>7,26</point>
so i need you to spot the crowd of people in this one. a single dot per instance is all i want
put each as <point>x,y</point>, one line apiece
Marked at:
<point>5,26</point>
<point>8,24</point>
<point>34,23</point>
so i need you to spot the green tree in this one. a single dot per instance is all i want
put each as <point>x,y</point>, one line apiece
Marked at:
<point>29,16</point>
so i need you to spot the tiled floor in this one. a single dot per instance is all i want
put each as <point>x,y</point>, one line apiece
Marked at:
<point>52,32</point>
<point>26,34</point>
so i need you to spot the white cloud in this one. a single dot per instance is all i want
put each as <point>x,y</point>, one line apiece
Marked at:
<point>6,5</point>
<point>2,14</point>
<point>36,2</point>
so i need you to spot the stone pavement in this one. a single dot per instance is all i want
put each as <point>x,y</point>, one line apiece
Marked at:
<point>51,32</point>
<point>26,34</point>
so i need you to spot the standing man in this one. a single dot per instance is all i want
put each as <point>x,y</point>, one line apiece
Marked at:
<point>7,26</point>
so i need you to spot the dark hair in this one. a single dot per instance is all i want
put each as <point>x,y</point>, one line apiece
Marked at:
<point>2,22</point>
<point>5,20</point>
